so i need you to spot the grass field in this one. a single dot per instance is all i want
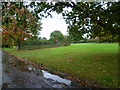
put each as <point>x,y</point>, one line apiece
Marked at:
<point>98,62</point>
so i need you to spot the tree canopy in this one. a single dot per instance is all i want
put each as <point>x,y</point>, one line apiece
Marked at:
<point>18,23</point>
<point>56,36</point>
<point>96,19</point>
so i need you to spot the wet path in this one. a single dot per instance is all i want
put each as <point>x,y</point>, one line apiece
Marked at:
<point>18,74</point>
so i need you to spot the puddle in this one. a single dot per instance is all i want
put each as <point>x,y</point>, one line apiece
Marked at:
<point>55,78</point>
<point>21,73</point>
<point>48,75</point>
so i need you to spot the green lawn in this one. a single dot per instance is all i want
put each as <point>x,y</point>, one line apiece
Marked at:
<point>97,62</point>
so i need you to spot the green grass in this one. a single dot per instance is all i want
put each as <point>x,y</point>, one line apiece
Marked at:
<point>97,62</point>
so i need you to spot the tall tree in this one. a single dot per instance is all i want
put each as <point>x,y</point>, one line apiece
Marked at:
<point>18,22</point>
<point>56,36</point>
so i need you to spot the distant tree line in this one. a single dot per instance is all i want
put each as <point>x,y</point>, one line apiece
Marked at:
<point>56,39</point>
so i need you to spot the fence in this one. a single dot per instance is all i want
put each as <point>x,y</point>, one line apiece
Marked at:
<point>38,44</point>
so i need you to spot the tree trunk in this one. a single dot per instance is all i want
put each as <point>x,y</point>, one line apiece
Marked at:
<point>100,40</point>
<point>18,45</point>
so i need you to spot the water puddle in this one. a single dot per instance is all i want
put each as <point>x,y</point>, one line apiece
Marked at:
<point>55,78</point>
<point>48,75</point>
<point>24,73</point>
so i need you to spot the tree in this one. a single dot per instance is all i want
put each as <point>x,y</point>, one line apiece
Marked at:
<point>66,40</point>
<point>56,36</point>
<point>18,23</point>
<point>87,17</point>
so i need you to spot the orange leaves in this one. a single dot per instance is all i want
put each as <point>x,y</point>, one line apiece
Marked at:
<point>18,23</point>
<point>3,26</point>
<point>14,31</point>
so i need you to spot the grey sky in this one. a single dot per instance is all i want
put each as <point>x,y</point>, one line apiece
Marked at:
<point>51,24</point>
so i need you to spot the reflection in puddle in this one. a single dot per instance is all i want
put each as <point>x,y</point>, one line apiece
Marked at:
<point>48,75</point>
<point>55,78</point>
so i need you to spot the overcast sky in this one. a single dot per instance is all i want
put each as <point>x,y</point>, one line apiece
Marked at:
<point>51,24</point>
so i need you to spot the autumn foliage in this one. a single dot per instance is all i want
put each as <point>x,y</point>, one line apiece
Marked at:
<point>18,23</point>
